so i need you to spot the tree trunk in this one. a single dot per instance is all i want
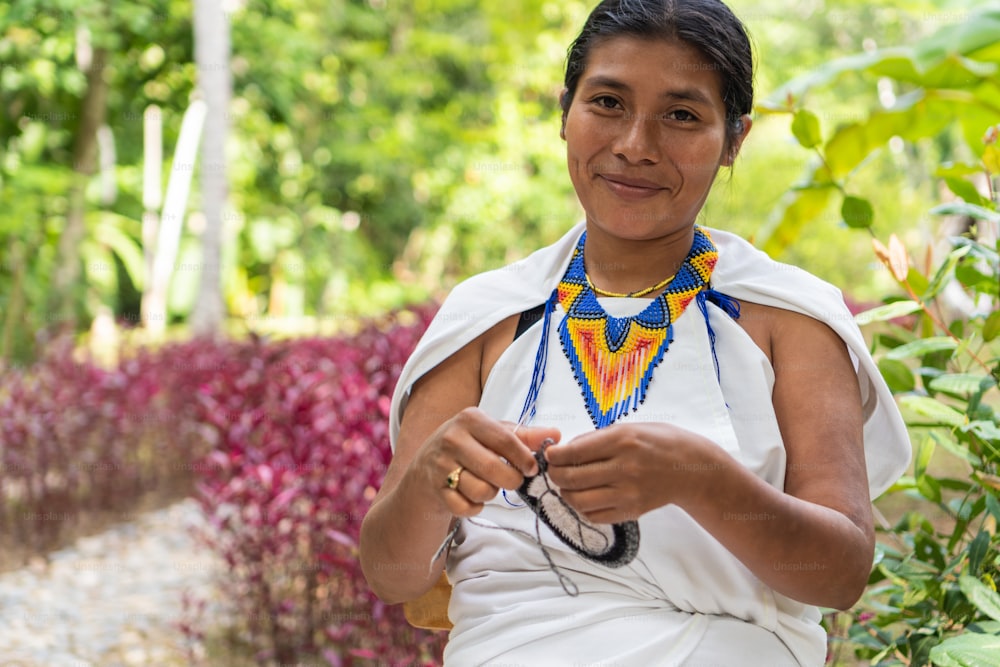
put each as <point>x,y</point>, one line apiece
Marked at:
<point>63,297</point>
<point>212,50</point>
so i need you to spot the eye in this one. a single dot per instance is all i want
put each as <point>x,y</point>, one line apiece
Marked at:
<point>606,102</point>
<point>682,115</point>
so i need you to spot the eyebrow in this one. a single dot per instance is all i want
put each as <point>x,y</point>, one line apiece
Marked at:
<point>690,94</point>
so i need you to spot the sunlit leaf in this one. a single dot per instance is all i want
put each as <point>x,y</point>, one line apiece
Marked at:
<point>935,410</point>
<point>925,450</point>
<point>986,599</point>
<point>957,170</point>
<point>971,210</point>
<point>959,383</point>
<point>945,271</point>
<point>967,650</point>
<point>929,488</point>
<point>887,312</point>
<point>956,449</point>
<point>922,346</point>
<point>991,328</point>
<point>802,206</point>
<point>987,430</point>
<point>966,190</point>
<point>991,159</point>
<point>805,128</point>
<point>917,281</point>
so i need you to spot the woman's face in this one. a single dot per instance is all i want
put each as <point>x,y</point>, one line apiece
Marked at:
<point>645,135</point>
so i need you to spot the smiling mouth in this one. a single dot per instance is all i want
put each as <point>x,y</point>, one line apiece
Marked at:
<point>631,188</point>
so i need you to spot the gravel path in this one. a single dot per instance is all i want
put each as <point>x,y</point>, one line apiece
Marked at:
<point>110,599</point>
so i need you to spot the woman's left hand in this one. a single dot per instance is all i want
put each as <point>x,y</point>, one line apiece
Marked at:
<point>621,472</point>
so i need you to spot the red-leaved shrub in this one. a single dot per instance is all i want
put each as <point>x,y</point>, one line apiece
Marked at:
<point>286,444</point>
<point>81,444</point>
<point>302,447</point>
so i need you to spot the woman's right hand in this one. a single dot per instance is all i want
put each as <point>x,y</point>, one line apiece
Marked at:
<point>441,432</point>
<point>480,455</point>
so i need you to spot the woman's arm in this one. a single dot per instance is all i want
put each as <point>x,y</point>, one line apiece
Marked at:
<point>414,509</point>
<point>813,542</point>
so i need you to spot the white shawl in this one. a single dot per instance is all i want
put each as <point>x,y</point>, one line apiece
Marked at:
<point>742,272</point>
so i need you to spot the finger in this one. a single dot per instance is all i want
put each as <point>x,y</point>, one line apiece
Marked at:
<point>488,449</point>
<point>475,489</point>
<point>459,505</point>
<point>515,458</point>
<point>587,448</point>
<point>592,502</point>
<point>534,436</point>
<point>586,475</point>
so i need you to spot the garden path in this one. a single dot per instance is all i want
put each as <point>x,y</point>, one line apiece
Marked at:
<point>112,599</point>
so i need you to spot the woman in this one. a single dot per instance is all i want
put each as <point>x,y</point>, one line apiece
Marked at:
<point>711,418</point>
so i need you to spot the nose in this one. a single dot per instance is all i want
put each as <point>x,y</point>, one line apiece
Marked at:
<point>638,141</point>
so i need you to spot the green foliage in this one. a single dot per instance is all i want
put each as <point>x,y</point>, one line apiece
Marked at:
<point>43,81</point>
<point>944,87</point>
<point>379,151</point>
<point>932,596</point>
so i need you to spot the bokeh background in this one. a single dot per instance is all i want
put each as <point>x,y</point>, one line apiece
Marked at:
<point>224,224</point>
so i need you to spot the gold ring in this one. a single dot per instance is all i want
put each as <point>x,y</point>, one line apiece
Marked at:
<point>454,477</point>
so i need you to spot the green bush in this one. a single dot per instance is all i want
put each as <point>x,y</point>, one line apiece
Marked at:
<point>932,595</point>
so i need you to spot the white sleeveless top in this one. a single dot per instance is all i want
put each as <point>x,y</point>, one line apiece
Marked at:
<point>684,599</point>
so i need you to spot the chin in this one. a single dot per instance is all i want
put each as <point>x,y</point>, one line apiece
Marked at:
<point>637,226</point>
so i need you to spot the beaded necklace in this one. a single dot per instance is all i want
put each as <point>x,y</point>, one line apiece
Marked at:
<point>613,357</point>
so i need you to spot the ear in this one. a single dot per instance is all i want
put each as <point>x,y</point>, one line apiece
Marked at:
<point>564,102</point>
<point>737,141</point>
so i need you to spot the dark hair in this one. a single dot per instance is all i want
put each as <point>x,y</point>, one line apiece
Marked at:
<point>707,25</point>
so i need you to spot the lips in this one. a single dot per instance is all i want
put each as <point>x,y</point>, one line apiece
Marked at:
<point>631,187</point>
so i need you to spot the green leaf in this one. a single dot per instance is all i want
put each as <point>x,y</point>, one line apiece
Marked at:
<point>956,449</point>
<point>897,375</point>
<point>966,190</point>
<point>802,206</point>
<point>929,407</point>
<point>944,273</point>
<point>887,312</point>
<point>929,488</point>
<point>857,212</point>
<point>971,277</point>
<point>985,598</point>
<point>925,450</point>
<point>958,169</point>
<point>993,505</point>
<point>978,548</point>
<point>805,127</point>
<point>967,650</point>
<point>971,210</point>
<point>991,328</point>
<point>917,115</point>
<point>922,346</point>
<point>985,429</point>
<point>959,383</point>
<point>917,281</point>
<point>920,647</point>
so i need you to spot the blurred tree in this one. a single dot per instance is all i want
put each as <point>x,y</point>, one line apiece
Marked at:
<point>211,25</point>
<point>379,151</point>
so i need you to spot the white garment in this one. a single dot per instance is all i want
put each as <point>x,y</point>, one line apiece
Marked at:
<point>684,589</point>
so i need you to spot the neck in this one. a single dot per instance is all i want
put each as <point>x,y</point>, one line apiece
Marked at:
<point>623,266</point>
